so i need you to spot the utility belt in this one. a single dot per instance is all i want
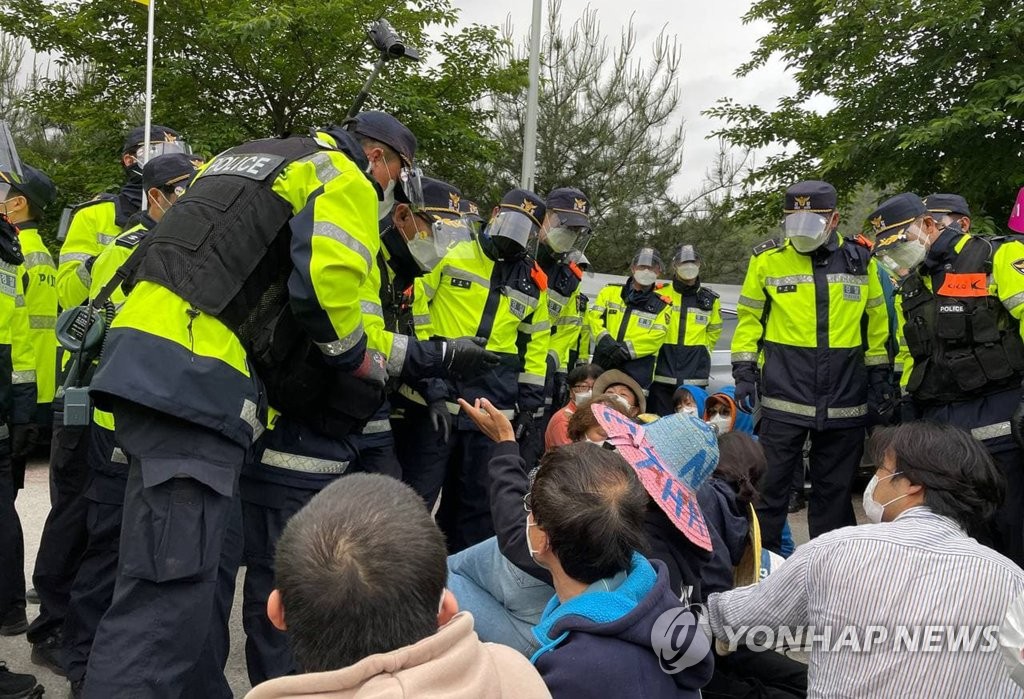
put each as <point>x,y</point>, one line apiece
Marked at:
<point>964,342</point>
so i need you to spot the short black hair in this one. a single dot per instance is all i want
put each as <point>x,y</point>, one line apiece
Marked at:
<point>591,505</point>
<point>583,372</point>
<point>361,570</point>
<point>34,212</point>
<point>959,477</point>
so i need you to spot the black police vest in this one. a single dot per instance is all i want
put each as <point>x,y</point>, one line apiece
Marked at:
<point>964,342</point>
<point>223,247</point>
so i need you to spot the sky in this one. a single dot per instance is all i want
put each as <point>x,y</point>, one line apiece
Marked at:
<point>713,40</point>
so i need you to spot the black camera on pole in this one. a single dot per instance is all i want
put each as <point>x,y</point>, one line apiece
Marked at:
<point>390,46</point>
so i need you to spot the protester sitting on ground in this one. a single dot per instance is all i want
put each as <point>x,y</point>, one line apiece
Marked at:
<point>722,413</point>
<point>499,581</point>
<point>726,501</point>
<point>585,524</point>
<point>581,386</point>
<point>506,600</point>
<point>619,383</point>
<point>689,400</point>
<point>361,594</point>
<point>914,579</point>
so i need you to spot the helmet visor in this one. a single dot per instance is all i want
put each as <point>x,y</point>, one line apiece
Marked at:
<point>410,186</point>
<point>515,227</point>
<point>160,148</point>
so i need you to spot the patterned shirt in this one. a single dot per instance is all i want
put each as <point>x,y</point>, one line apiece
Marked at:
<point>908,608</point>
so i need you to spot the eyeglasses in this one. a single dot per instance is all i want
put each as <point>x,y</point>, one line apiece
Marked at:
<point>527,502</point>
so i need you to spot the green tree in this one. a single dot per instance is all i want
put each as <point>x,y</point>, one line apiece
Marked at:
<point>925,95</point>
<point>232,70</point>
<point>608,124</point>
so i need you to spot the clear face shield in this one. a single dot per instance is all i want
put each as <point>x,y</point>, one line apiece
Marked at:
<point>646,267</point>
<point>900,258</point>
<point>512,233</point>
<point>142,156</point>
<point>807,230</point>
<point>410,179</point>
<point>444,239</point>
<point>686,263</point>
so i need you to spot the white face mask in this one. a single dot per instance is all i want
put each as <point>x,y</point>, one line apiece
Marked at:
<point>872,508</point>
<point>620,401</point>
<point>424,252</point>
<point>645,277</point>
<point>687,410</point>
<point>721,423</point>
<point>582,396</point>
<point>599,442</point>
<point>687,270</point>
<point>385,205</point>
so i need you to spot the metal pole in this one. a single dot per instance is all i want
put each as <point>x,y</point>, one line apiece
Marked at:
<point>530,132</point>
<point>365,92</point>
<point>149,87</point>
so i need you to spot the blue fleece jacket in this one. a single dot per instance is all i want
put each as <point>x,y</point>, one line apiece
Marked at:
<point>599,644</point>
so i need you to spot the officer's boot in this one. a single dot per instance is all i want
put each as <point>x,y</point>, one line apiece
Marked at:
<point>14,685</point>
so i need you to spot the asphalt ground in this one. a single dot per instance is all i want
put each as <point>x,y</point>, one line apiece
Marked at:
<point>33,505</point>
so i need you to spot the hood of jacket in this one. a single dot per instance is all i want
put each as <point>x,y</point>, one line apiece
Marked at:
<point>626,614</point>
<point>742,420</point>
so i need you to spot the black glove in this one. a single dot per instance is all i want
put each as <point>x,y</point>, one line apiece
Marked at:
<point>10,246</point>
<point>560,390</point>
<point>23,438</point>
<point>745,375</point>
<point>466,356</point>
<point>881,396</point>
<point>441,419</point>
<point>522,425</point>
<point>605,353</point>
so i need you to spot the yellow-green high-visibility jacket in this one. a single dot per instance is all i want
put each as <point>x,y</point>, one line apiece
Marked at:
<point>164,352</point>
<point>103,270</point>
<point>566,317</point>
<point>694,327</point>
<point>639,319</point>
<point>93,226</point>
<point>817,322</point>
<point>980,376</point>
<point>469,295</point>
<point>34,352</point>
<point>8,291</point>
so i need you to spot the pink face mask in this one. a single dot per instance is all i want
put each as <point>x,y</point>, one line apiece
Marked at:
<point>1016,222</point>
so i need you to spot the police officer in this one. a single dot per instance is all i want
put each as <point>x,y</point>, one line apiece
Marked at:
<point>802,313</point>
<point>490,289</point>
<point>694,328</point>
<point>566,228</point>
<point>12,545</point>
<point>95,223</point>
<point>580,354</point>
<point>269,247</point>
<point>421,421</point>
<point>164,179</point>
<point>629,322</point>
<point>960,301</point>
<point>35,354</point>
<point>92,226</point>
<point>296,458</point>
